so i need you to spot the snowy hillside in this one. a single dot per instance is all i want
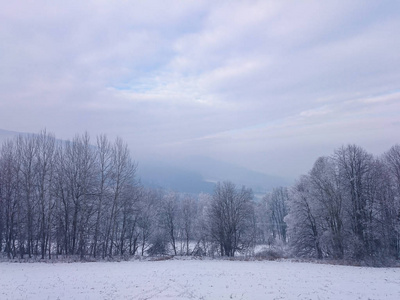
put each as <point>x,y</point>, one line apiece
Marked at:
<point>196,279</point>
<point>5,134</point>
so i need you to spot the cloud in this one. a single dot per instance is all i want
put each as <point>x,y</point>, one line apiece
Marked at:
<point>249,81</point>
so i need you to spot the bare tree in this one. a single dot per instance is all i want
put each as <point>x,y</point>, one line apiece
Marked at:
<point>44,171</point>
<point>123,172</point>
<point>231,218</point>
<point>346,207</point>
<point>9,196</point>
<point>391,160</point>
<point>132,212</point>
<point>276,205</point>
<point>326,191</point>
<point>169,218</point>
<point>354,165</point>
<point>63,202</point>
<point>188,221</point>
<point>27,153</point>
<point>304,224</point>
<point>78,190</point>
<point>201,226</point>
<point>147,219</point>
<point>104,164</point>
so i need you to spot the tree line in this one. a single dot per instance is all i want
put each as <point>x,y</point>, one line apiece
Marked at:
<point>65,198</point>
<point>348,207</point>
<point>82,198</point>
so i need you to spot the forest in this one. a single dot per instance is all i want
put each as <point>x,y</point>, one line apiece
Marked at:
<point>83,199</point>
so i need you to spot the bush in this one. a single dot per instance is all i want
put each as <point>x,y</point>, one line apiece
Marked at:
<point>159,247</point>
<point>270,254</point>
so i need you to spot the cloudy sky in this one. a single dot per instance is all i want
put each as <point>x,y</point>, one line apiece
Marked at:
<point>269,85</point>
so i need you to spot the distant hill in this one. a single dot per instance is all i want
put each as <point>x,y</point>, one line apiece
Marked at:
<point>5,134</point>
<point>215,170</point>
<point>163,175</point>
<point>195,174</point>
<point>199,174</point>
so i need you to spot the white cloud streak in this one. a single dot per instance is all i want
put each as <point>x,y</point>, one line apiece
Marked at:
<point>252,82</point>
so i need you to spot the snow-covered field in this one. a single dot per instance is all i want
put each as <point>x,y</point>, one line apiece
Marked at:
<point>196,279</point>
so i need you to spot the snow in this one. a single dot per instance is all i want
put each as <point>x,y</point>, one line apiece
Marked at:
<point>196,279</point>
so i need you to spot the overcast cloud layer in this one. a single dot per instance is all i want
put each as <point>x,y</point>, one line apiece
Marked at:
<point>269,85</point>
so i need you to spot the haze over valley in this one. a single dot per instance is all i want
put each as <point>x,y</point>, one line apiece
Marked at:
<point>200,149</point>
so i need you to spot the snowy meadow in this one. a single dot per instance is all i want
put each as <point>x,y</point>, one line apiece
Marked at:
<point>196,279</point>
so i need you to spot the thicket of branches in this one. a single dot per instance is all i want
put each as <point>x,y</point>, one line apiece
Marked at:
<point>81,198</point>
<point>348,207</point>
<point>67,198</point>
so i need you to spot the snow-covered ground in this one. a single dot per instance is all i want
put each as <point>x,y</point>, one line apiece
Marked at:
<point>196,279</point>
